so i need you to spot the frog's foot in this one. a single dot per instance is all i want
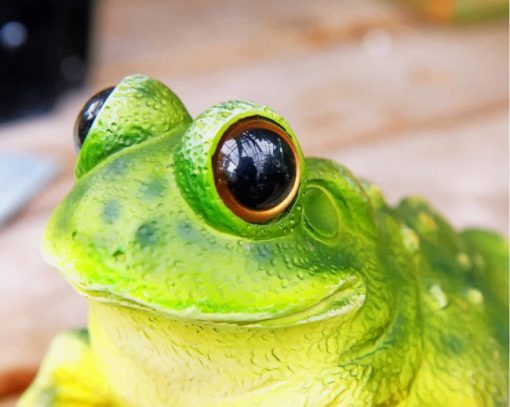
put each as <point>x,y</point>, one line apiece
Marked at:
<point>68,376</point>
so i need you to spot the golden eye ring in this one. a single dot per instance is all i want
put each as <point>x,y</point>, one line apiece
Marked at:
<point>257,169</point>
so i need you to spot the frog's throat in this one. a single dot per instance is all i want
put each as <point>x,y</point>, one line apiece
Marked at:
<point>345,300</point>
<point>155,360</point>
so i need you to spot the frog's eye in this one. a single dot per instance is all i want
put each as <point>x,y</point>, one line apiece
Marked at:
<point>256,169</point>
<point>88,114</point>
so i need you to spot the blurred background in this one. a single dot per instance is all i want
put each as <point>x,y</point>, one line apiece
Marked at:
<point>411,95</point>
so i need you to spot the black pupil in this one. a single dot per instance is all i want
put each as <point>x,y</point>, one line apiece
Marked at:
<point>259,168</point>
<point>88,114</point>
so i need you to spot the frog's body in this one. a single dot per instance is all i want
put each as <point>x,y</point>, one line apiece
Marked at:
<point>339,300</point>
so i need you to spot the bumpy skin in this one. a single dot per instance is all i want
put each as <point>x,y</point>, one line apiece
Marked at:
<point>342,300</point>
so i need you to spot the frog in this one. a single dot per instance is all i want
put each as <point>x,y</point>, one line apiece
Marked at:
<point>223,268</point>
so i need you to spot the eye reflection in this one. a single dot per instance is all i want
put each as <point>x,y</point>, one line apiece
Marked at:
<point>258,167</point>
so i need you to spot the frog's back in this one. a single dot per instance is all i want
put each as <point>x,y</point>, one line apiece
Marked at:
<point>463,279</point>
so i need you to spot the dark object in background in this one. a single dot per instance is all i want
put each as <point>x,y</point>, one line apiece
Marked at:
<point>44,49</point>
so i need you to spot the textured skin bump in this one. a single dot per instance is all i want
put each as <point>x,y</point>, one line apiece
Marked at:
<point>341,301</point>
<point>139,108</point>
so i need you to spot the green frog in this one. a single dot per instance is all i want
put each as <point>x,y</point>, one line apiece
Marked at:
<point>223,268</point>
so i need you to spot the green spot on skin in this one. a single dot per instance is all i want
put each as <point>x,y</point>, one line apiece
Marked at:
<point>187,232</point>
<point>117,167</point>
<point>320,213</point>
<point>154,188</point>
<point>452,345</point>
<point>111,211</point>
<point>146,234</point>
<point>119,256</point>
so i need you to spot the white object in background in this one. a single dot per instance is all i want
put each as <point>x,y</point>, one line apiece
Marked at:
<point>21,178</point>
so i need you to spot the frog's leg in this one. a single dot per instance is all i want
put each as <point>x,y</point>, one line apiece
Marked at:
<point>68,376</point>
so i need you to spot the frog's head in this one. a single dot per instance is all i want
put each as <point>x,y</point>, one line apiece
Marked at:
<point>219,218</point>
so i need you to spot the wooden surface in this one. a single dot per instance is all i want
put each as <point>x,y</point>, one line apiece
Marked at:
<point>417,108</point>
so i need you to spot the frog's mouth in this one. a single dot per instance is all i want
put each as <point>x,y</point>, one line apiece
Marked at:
<point>344,301</point>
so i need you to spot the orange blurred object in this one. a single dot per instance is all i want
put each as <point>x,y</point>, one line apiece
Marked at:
<point>459,10</point>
